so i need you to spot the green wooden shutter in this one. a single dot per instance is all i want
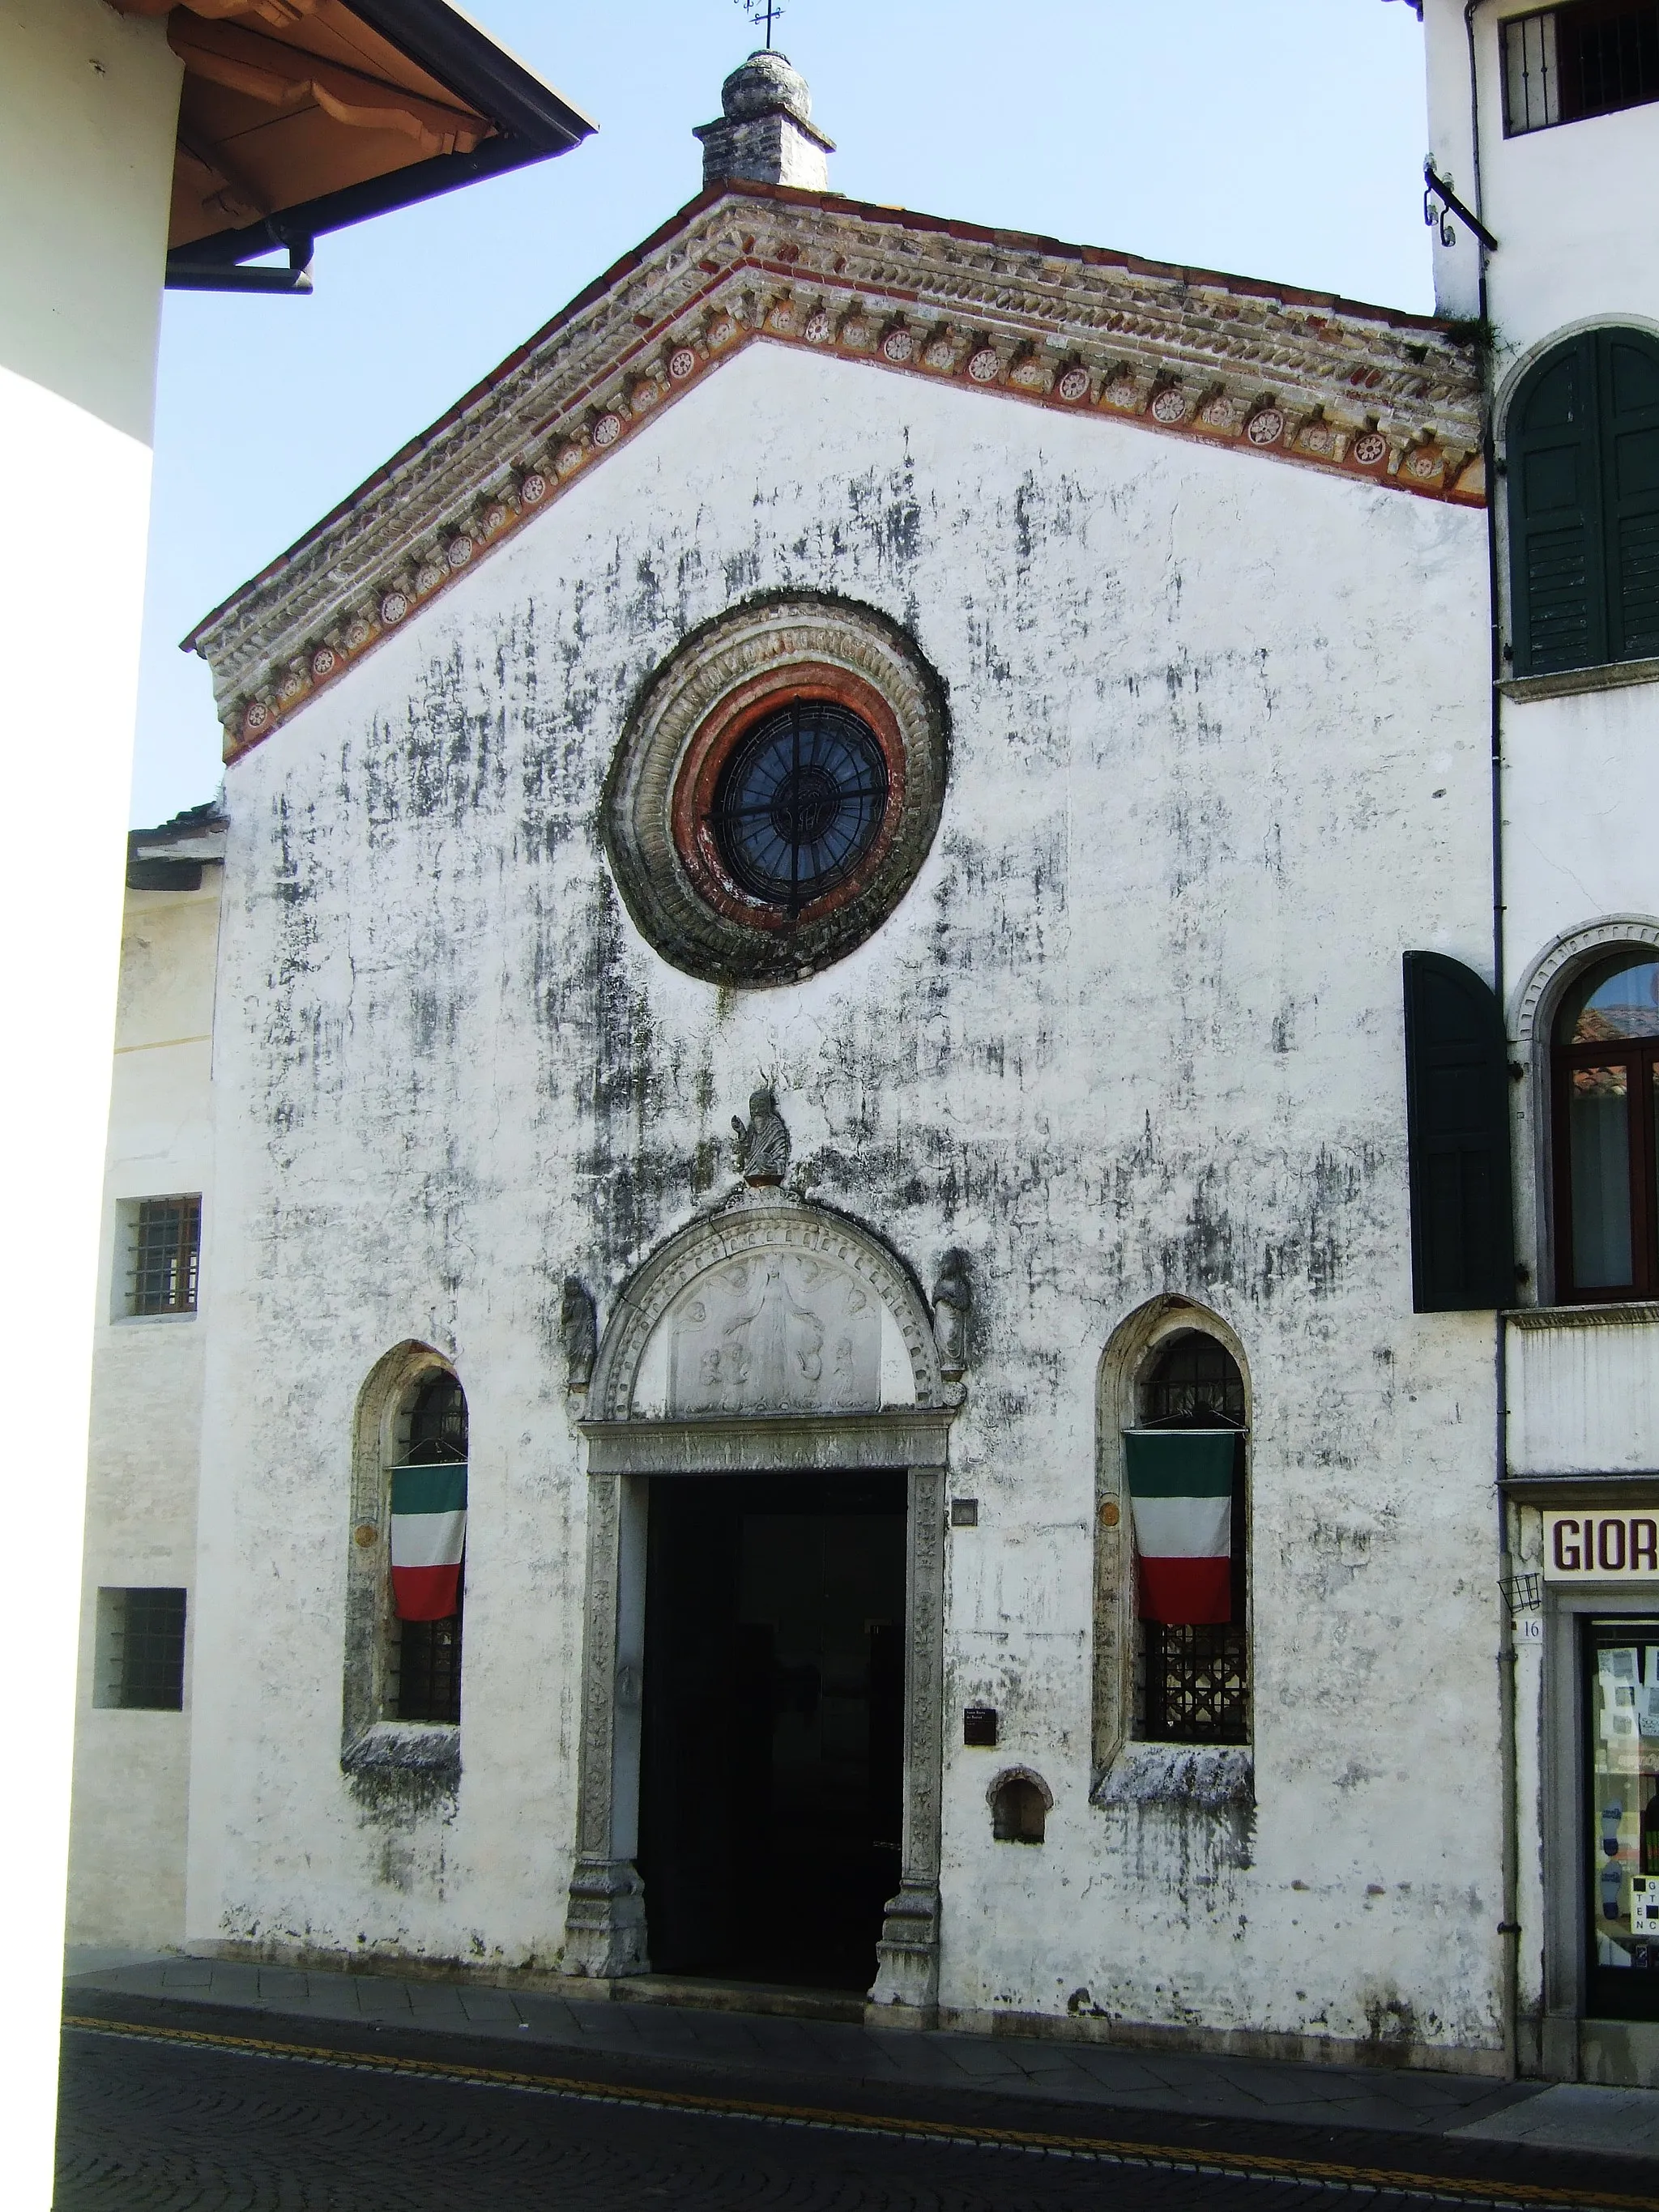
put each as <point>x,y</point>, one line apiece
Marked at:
<point>1629,397</point>
<point>1457,1123</point>
<point>1556,534</point>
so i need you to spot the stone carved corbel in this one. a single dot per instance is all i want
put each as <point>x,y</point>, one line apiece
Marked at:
<point>579,1333</point>
<point>954,1301</point>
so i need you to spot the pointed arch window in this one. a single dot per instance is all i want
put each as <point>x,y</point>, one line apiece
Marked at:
<point>1583,505</point>
<point>428,1548</point>
<point>1607,1132</point>
<point>1187,1489</point>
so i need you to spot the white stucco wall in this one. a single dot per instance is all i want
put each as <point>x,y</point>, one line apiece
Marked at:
<point>87,108</point>
<point>127,1840</point>
<point>1219,757</point>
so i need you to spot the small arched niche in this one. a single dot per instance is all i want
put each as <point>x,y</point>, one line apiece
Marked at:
<point>1020,1801</point>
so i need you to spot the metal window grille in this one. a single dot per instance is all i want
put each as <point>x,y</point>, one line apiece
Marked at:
<point>143,1655</point>
<point>1194,1688</point>
<point>437,1424</point>
<point>1193,1683</point>
<point>1565,64</point>
<point>426,1683</point>
<point>167,1249</point>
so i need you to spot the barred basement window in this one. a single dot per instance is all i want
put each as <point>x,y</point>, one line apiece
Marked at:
<point>1192,1682</point>
<point>140,1650</point>
<point>164,1259</point>
<point>1565,64</point>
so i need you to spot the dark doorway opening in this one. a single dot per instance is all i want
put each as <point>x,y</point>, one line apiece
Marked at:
<point>772,1768</point>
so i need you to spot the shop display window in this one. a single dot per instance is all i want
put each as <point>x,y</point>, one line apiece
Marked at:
<point>1621,1769</point>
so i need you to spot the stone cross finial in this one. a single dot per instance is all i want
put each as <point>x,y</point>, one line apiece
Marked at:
<point>765,133</point>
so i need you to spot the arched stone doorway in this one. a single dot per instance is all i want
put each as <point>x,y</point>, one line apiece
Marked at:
<point>769,1338</point>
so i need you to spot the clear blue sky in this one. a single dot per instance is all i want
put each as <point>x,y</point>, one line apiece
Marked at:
<point>1281,138</point>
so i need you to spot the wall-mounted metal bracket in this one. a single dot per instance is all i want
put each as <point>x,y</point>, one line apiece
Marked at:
<point>184,275</point>
<point>1436,188</point>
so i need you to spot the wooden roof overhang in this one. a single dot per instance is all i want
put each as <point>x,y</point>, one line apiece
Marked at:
<point>298,116</point>
<point>1368,399</point>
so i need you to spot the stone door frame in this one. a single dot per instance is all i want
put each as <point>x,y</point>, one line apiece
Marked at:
<point>604,1927</point>
<point>604,1930</point>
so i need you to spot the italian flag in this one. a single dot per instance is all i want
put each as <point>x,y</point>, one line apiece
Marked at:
<point>429,1537</point>
<point>1180,1489</point>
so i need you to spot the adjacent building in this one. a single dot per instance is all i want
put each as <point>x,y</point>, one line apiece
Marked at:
<point>127,1882</point>
<point>1543,122</point>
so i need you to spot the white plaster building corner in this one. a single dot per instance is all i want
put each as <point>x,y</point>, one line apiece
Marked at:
<point>127,1857</point>
<point>86,155</point>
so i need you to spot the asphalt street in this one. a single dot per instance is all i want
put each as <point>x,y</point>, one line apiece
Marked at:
<point>187,2110</point>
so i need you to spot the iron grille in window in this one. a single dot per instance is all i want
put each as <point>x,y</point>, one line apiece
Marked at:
<point>1194,1689</point>
<point>1195,1383</point>
<point>166,1255</point>
<point>1193,1682</point>
<point>437,1424</point>
<point>1564,64</point>
<point>144,1649</point>
<point>428,1659</point>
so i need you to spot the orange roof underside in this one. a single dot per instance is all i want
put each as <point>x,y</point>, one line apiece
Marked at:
<point>286,100</point>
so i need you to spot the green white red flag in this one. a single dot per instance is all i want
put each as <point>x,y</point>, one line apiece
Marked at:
<point>428,1538</point>
<point>1181,1491</point>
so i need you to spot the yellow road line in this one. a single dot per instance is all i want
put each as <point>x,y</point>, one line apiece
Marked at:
<point>1448,2188</point>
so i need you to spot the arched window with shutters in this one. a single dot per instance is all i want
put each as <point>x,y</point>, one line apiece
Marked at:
<point>1583,461</point>
<point>427,1556</point>
<point>1606,1054</point>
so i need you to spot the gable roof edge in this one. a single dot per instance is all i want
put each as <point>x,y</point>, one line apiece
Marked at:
<point>1341,385</point>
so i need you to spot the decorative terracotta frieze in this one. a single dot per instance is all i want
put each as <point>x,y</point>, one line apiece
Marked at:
<point>1346,390</point>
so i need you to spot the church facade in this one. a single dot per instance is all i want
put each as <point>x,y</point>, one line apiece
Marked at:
<point>858,1330</point>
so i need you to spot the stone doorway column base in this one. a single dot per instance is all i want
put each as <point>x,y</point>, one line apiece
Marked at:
<point>604,1924</point>
<point>905,1992</point>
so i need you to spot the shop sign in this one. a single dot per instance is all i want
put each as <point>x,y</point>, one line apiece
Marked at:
<point>1602,1547</point>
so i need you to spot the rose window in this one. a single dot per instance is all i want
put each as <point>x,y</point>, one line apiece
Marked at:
<point>777,788</point>
<point>800,802</point>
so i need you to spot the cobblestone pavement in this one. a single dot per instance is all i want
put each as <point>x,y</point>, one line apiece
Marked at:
<point>193,2117</point>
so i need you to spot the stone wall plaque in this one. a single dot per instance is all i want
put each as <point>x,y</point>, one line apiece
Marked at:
<point>775,1331</point>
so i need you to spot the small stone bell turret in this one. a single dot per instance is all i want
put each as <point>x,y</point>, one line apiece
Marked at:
<point>765,133</point>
